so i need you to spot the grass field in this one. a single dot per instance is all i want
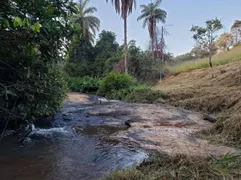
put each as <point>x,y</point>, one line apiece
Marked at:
<point>223,58</point>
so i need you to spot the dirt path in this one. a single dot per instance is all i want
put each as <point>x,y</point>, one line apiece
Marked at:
<point>161,127</point>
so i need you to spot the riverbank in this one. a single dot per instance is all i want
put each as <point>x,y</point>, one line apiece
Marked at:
<point>91,137</point>
<point>214,91</point>
<point>168,130</point>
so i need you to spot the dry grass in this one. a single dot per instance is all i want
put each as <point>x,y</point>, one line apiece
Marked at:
<point>215,91</point>
<point>220,59</point>
<point>180,167</point>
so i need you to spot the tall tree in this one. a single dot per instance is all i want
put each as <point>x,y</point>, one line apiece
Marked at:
<point>205,36</point>
<point>225,41</point>
<point>89,23</point>
<point>124,7</point>
<point>199,52</point>
<point>106,47</point>
<point>152,15</point>
<point>236,32</point>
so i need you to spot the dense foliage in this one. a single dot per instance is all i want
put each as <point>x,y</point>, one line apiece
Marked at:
<point>86,59</point>
<point>35,39</point>
<point>116,81</point>
<point>124,87</point>
<point>84,85</point>
<point>81,59</point>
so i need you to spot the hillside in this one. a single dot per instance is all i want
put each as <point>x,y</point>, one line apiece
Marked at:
<point>222,58</point>
<point>215,91</point>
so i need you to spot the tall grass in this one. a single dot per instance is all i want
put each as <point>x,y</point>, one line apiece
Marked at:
<point>220,59</point>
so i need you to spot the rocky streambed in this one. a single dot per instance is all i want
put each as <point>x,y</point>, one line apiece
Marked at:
<point>91,137</point>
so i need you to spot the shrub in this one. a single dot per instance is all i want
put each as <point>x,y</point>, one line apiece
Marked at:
<point>124,87</point>
<point>40,97</point>
<point>33,46</point>
<point>115,81</point>
<point>30,98</point>
<point>83,84</point>
<point>136,94</point>
<point>142,94</point>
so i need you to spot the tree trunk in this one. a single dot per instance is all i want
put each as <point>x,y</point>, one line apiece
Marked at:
<point>157,46</point>
<point>152,47</point>
<point>210,59</point>
<point>162,45</point>
<point>125,45</point>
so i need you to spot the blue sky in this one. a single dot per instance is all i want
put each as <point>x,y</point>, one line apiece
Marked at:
<point>182,14</point>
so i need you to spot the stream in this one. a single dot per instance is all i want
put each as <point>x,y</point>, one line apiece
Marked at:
<point>91,137</point>
<point>74,146</point>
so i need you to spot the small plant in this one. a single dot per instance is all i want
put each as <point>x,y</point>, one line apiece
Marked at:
<point>231,162</point>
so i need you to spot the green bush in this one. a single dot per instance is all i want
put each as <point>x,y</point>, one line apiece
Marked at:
<point>27,99</point>
<point>83,84</point>
<point>142,94</point>
<point>33,46</point>
<point>125,88</point>
<point>136,94</point>
<point>40,97</point>
<point>114,82</point>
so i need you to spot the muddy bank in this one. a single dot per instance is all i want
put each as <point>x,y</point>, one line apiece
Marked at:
<point>161,127</point>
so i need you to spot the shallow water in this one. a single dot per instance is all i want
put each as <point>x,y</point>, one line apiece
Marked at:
<point>76,149</point>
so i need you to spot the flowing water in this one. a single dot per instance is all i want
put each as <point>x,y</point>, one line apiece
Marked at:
<point>75,147</point>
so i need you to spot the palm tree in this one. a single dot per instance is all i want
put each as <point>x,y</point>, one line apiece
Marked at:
<point>89,23</point>
<point>152,15</point>
<point>124,7</point>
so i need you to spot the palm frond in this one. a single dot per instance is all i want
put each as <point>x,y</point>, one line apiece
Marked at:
<point>89,10</point>
<point>124,7</point>
<point>89,23</point>
<point>157,3</point>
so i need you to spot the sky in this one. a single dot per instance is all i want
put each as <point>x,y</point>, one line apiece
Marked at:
<point>181,15</point>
